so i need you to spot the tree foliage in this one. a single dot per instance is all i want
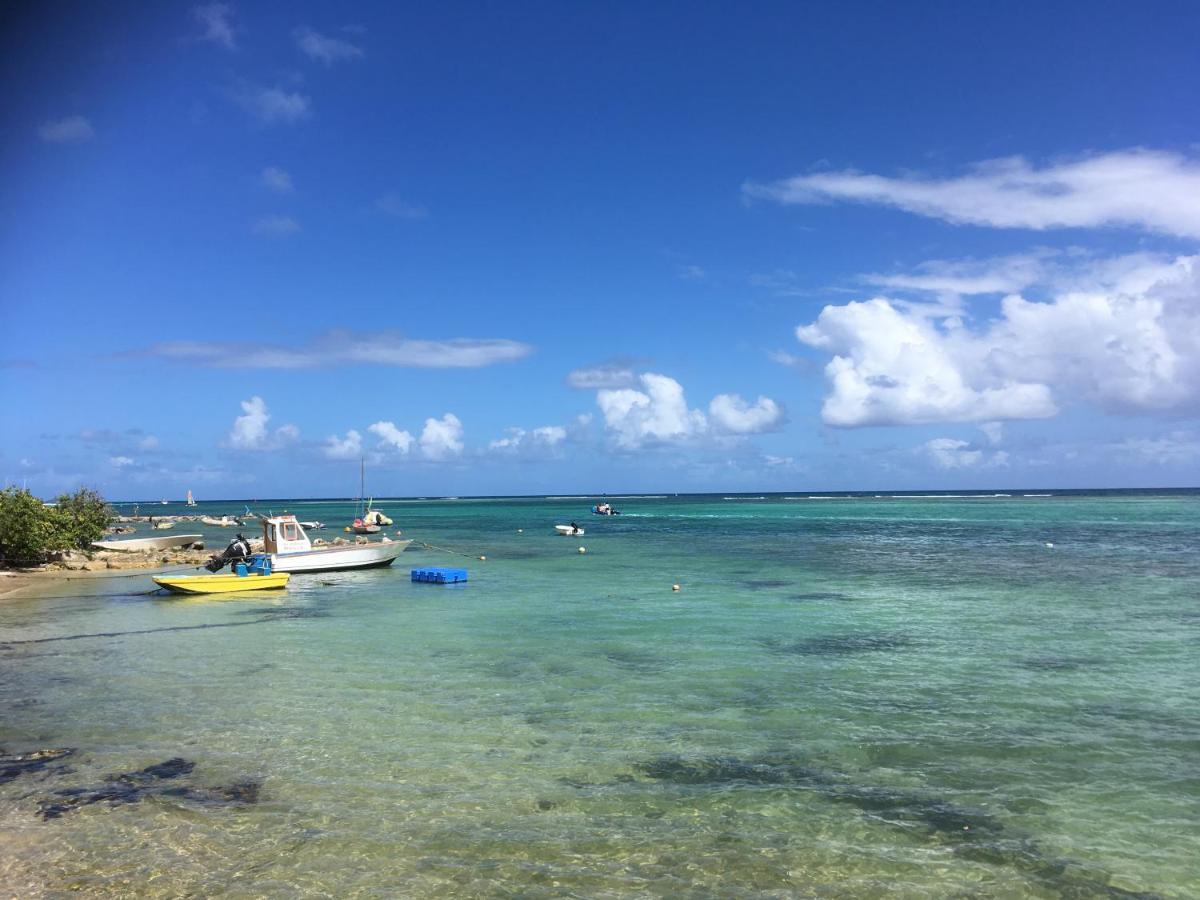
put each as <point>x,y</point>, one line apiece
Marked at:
<point>30,531</point>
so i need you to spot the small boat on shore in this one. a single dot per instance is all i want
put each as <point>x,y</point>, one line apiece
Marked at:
<point>168,542</point>
<point>571,530</point>
<point>222,584</point>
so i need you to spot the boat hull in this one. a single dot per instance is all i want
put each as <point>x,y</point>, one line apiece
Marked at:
<point>155,543</point>
<point>221,584</point>
<point>374,555</point>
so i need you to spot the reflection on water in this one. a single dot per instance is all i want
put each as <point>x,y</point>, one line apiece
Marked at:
<point>846,698</point>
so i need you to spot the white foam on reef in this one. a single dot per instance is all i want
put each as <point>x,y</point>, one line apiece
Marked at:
<point>1037,495</point>
<point>743,498</point>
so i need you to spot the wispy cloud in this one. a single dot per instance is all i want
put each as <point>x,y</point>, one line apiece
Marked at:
<point>323,48</point>
<point>1145,189</point>
<point>394,205</point>
<point>276,226</point>
<point>781,283</point>
<point>273,105</point>
<point>613,374</point>
<point>69,130</point>
<point>215,21</point>
<point>951,453</point>
<point>1000,275</point>
<point>691,273</point>
<point>276,179</point>
<point>342,348</point>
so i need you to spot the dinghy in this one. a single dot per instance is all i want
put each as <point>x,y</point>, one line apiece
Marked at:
<point>568,530</point>
<point>153,543</point>
<point>222,584</point>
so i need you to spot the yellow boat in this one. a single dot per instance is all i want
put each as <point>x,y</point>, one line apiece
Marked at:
<point>221,584</point>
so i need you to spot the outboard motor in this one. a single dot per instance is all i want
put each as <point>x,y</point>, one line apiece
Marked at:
<point>237,551</point>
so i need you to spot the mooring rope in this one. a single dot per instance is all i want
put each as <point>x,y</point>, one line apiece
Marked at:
<point>429,546</point>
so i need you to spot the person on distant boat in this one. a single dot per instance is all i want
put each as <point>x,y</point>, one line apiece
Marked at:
<point>574,528</point>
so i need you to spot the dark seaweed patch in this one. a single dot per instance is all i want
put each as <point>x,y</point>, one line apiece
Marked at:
<point>1059,663</point>
<point>765,583</point>
<point>726,770</point>
<point>133,787</point>
<point>820,597</point>
<point>24,763</point>
<point>838,644</point>
<point>635,661</point>
<point>973,833</point>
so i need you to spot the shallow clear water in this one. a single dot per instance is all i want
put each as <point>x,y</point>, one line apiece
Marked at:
<point>847,697</point>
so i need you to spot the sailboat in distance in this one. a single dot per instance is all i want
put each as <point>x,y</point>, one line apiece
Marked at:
<point>368,521</point>
<point>191,501</point>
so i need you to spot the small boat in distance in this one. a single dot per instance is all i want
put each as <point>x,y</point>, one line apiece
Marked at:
<point>571,530</point>
<point>191,501</point>
<point>223,522</point>
<point>313,526</point>
<point>605,509</point>
<point>371,520</point>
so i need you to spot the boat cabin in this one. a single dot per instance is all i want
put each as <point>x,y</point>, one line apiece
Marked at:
<point>283,534</point>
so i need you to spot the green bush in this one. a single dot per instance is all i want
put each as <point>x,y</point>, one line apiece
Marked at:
<point>83,517</point>
<point>30,531</point>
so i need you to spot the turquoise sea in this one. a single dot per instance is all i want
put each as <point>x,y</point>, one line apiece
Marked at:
<point>853,696</point>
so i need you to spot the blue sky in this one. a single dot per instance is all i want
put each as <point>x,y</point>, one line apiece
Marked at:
<point>528,248</point>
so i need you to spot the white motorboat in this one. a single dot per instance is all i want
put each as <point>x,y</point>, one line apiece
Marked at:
<point>313,526</point>
<point>168,542</point>
<point>223,522</point>
<point>290,550</point>
<point>568,530</point>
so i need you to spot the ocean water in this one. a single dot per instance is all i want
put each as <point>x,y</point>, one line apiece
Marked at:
<point>919,696</point>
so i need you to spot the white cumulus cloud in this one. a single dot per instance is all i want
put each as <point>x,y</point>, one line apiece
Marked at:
<point>442,438</point>
<point>392,437</point>
<point>1152,190</point>
<point>729,412</point>
<point>120,462</point>
<point>250,431</point>
<point>1131,346</point>
<point>657,412</point>
<point>344,448</point>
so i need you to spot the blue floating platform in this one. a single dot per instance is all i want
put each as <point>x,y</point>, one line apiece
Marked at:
<point>439,575</point>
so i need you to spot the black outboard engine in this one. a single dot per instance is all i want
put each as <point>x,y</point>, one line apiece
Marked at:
<point>237,551</point>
